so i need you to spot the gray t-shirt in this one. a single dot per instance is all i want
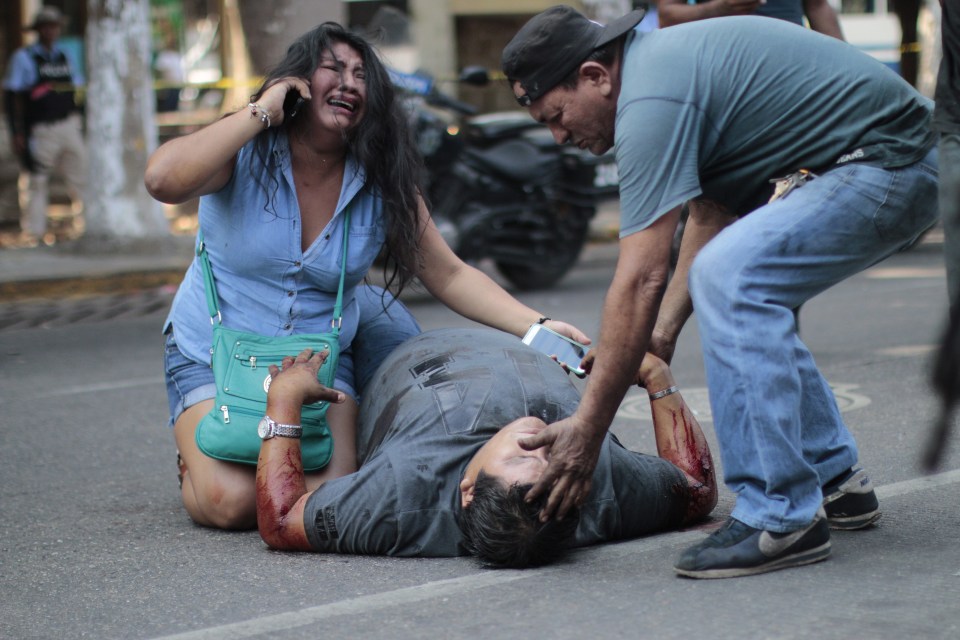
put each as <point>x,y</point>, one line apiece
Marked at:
<point>429,407</point>
<point>717,108</point>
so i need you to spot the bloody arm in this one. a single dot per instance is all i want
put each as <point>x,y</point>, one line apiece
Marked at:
<point>680,439</point>
<point>281,487</point>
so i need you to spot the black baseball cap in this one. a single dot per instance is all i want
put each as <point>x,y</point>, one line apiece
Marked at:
<point>553,43</point>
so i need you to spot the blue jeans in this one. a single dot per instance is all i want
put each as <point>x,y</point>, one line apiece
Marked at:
<point>777,422</point>
<point>380,331</point>
<point>384,324</point>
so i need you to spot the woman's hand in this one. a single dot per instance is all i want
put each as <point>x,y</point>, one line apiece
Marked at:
<point>274,96</point>
<point>570,331</point>
<point>566,329</point>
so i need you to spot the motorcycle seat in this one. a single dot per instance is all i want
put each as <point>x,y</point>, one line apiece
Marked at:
<point>518,161</point>
<point>492,127</point>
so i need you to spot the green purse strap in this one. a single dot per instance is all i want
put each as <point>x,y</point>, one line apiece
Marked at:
<point>210,286</point>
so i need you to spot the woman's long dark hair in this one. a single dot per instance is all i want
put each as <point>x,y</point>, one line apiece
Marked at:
<point>382,144</point>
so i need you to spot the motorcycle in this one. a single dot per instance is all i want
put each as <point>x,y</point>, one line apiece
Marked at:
<point>501,188</point>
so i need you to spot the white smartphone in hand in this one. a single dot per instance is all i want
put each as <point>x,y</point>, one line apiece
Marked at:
<point>568,352</point>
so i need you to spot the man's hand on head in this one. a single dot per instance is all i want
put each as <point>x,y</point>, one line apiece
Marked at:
<point>574,449</point>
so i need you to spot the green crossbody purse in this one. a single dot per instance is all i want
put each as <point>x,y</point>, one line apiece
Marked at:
<point>241,364</point>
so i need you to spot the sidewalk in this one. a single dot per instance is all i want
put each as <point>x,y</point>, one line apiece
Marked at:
<point>72,269</point>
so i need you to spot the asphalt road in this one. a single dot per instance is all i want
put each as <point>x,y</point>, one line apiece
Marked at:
<point>94,542</point>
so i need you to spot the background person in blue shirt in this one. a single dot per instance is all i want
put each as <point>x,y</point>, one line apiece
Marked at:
<point>323,134</point>
<point>704,111</point>
<point>45,120</point>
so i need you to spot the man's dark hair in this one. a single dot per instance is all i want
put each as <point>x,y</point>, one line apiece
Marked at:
<point>504,531</point>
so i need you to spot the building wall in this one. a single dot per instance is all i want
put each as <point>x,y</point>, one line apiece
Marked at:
<point>480,41</point>
<point>452,34</point>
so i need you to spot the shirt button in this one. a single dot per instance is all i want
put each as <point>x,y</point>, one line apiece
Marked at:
<point>289,294</point>
<point>287,326</point>
<point>297,263</point>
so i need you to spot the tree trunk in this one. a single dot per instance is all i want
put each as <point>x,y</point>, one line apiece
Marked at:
<point>270,27</point>
<point>121,131</point>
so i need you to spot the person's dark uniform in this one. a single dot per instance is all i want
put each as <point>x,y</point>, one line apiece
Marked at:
<point>51,98</point>
<point>40,94</point>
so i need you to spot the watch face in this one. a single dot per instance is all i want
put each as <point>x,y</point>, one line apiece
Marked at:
<point>263,429</point>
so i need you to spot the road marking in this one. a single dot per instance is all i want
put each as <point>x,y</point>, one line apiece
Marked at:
<point>102,386</point>
<point>268,625</point>
<point>899,273</point>
<point>637,406</point>
<point>918,484</point>
<point>364,604</point>
<point>909,350</point>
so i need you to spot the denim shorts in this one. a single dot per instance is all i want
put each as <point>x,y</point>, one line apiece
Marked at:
<point>189,382</point>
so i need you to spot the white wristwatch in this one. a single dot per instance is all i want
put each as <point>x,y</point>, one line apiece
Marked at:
<point>268,428</point>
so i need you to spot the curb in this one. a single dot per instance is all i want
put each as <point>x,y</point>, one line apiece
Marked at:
<point>130,281</point>
<point>89,285</point>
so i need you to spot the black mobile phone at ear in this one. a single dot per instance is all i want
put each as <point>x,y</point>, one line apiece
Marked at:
<point>292,104</point>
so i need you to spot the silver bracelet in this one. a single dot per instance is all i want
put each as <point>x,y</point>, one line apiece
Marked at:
<point>256,111</point>
<point>664,393</point>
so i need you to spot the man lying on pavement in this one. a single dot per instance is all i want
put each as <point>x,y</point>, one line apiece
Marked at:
<point>441,473</point>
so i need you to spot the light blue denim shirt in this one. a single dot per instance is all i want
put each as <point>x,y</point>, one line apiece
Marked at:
<point>265,283</point>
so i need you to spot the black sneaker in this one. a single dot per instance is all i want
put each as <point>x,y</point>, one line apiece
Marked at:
<point>850,501</point>
<point>736,549</point>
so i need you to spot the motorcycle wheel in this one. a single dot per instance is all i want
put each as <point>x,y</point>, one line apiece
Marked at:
<point>572,231</point>
<point>528,278</point>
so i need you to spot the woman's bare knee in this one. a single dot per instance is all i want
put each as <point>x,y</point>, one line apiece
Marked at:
<point>215,493</point>
<point>218,504</point>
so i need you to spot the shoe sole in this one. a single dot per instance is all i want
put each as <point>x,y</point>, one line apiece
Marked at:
<point>852,523</point>
<point>795,560</point>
